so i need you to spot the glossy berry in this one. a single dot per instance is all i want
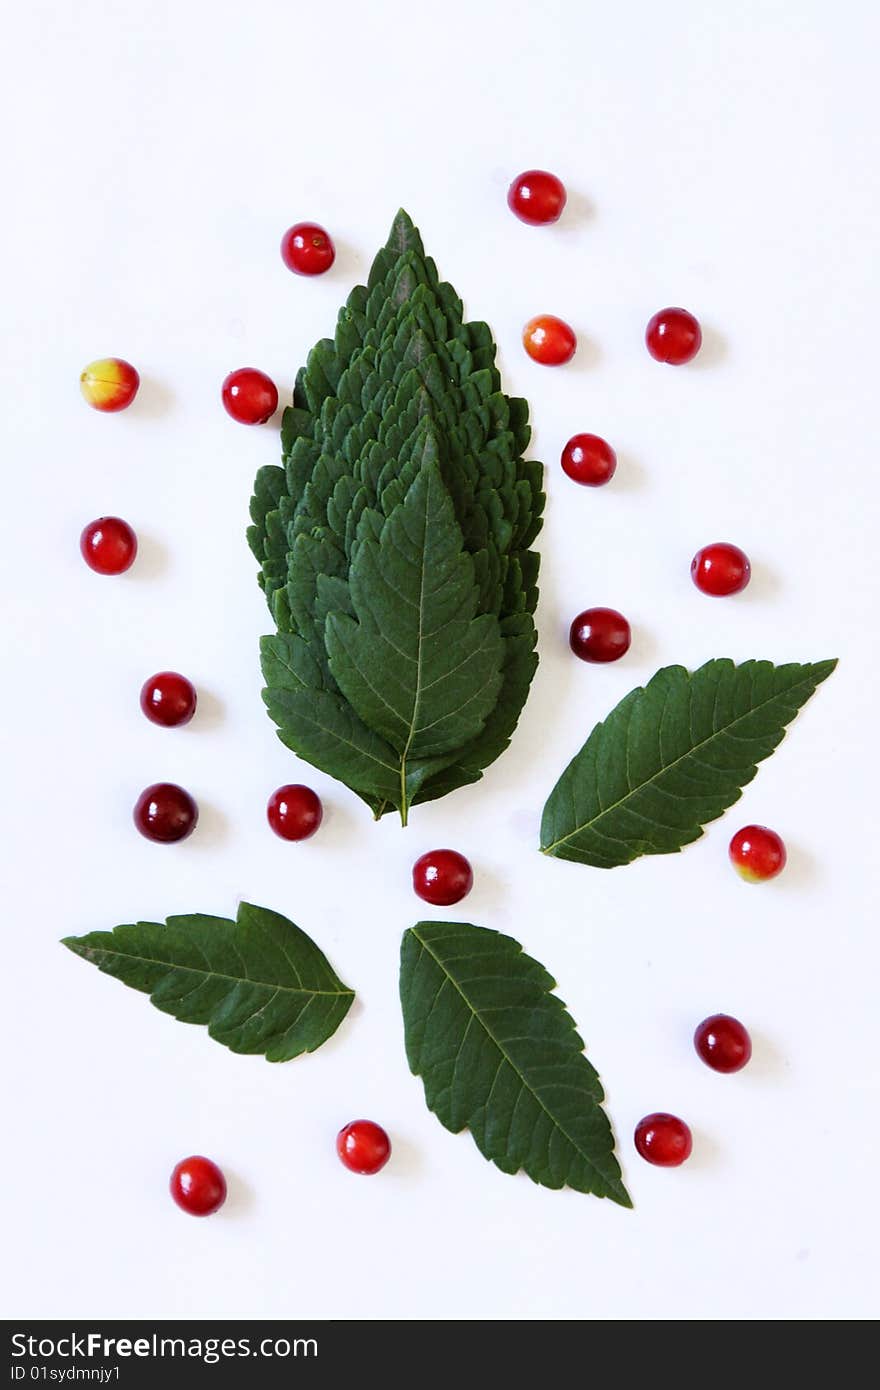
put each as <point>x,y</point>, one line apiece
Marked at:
<point>536,197</point>
<point>589,460</point>
<point>549,340</point>
<point>721,569</point>
<point>294,812</point>
<point>363,1146</point>
<point>109,384</point>
<point>198,1186</point>
<point>165,813</point>
<point>442,877</point>
<point>249,396</point>
<point>757,853</point>
<point>307,249</point>
<point>108,545</point>
<point>723,1043</point>
<point>599,634</point>
<point>673,336</point>
<point>663,1139</point>
<point>168,699</point>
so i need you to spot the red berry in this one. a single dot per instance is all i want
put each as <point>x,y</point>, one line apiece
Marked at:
<point>249,396</point>
<point>165,812</point>
<point>673,336</point>
<point>307,249</point>
<point>599,634</point>
<point>549,340</point>
<point>108,545</point>
<point>588,460</point>
<point>720,569</point>
<point>757,853</point>
<point>663,1139</point>
<point>363,1146</point>
<point>294,812</point>
<point>723,1043</point>
<point>442,877</point>
<point>198,1186</point>
<point>109,384</point>
<point>536,197</point>
<point>168,699</point>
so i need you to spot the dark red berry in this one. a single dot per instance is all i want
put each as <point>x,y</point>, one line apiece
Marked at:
<point>721,569</point>
<point>663,1139</point>
<point>536,197</point>
<point>307,249</point>
<point>166,813</point>
<point>108,545</point>
<point>599,634</point>
<point>198,1186</point>
<point>589,460</point>
<point>442,877</point>
<point>723,1043</point>
<point>757,853</point>
<point>294,812</point>
<point>673,336</point>
<point>549,340</point>
<point>249,396</point>
<point>168,699</point>
<point>363,1146</point>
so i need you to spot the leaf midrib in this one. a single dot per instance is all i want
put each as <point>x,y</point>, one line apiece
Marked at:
<point>557,1124</point>
<point>211,974</point>
<point>634,791</point>
<point>418,685</point>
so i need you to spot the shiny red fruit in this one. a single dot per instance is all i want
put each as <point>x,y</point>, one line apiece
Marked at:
<point>363,1146</point>
<point>589,460</point>
<point>663,1139</point>
<point>723,1043</point>
<point>294,812</point>
<point>673,336</point>
<point>198,1186</point>
<point>168,699</point>
<point>165,813</point>
<point>307,249</point>
<point>599,634</point>
<point>721,569</point>
<point>249,396</point>
<point>442,877</point>
<point>536,197</point>
<point>757,853</point>
<point>108,545</point>
<point>549,340</point>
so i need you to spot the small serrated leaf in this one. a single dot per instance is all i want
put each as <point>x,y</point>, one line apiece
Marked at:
<point>672,756</point>
<point>419,666</point>
<point>498,1054</point>
<point>259,984</point>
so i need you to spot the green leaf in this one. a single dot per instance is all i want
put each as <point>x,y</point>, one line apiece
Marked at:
<point>259,984</point>
<point>499,1055</point>
<point>418,666</point>
<point>671,757</point>
<point>394,543</point>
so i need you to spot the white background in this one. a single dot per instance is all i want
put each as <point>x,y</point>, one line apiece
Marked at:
<point>719,157</point>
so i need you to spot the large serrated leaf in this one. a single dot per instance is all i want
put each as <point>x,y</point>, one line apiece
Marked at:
<point>671,757</point>
<point>259,984</point>
<point>404,390</point>
<point>499,1055</point>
